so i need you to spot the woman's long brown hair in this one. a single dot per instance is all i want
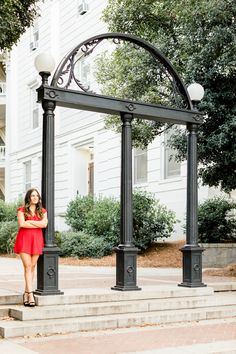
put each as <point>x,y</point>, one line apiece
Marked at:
<point>38,209</point>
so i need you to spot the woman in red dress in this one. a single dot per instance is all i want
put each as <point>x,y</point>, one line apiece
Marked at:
<point>32,218</point>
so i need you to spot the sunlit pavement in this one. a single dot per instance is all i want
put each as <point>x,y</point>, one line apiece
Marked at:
<point>212,336</point>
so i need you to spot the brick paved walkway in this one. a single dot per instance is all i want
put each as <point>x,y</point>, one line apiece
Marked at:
<point>198,337</point>
<point>136,339</point>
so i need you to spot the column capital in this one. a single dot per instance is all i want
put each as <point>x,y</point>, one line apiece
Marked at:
<point>192,127</point>
<point>48,105</point>
<point>126,117</point>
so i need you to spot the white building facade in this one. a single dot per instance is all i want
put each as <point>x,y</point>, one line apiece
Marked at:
<point>87,156</point>
<point>2,123</point>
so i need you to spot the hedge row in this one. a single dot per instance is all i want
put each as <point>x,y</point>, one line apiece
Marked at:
<point>95,224</point>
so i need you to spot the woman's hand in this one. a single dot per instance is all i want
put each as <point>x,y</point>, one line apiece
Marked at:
<point>22,222</point>
<point>40,223</point>
<point>32,224</point>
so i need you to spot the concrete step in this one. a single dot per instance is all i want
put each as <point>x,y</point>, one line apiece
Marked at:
<point>223,286</point>
<point>8,297</point>
<point>91,323</point>
<point>4,311</point>
<point>106,308</point>
<point>94,295</point>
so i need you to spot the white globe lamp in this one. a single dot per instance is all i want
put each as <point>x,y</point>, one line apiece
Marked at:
<point>44,62</point>
<point>196,92</point>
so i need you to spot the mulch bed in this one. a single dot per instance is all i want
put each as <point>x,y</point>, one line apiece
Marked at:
<point>159,255</point>
<point>229,271</point>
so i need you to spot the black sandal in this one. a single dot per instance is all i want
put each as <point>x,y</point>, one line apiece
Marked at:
<point>25,302</point>
<point>31,303</point>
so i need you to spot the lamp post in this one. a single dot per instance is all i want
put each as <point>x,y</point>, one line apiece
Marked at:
<point>47,268</point>
<point>192,252</point>
<point>126,253</point>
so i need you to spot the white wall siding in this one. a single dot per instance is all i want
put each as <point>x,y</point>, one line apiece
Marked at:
<point>154,164</point>
<point>77,133</point>
<point>77,28</point>
<point>108,163</point>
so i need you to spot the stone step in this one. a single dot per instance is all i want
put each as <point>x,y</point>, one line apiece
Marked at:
<point>94,295</point>
<point>103,308</point>
<point>106,308</point>
<point>8,297</point>
<point>223,286</point>
<point>91,323</point>
<point>4,311</point>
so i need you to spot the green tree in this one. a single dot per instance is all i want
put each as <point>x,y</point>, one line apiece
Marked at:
<point>199,38</point>
<point>15,17</point>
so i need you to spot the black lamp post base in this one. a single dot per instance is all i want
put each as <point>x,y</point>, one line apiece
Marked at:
<point>126,260</point>
<point>47,272</point>
<point>192,285</point>
<point>192,266</point>
<point>125,288</point>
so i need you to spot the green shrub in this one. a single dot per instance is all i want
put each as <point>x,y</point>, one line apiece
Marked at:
<point>213,224</point>
<point>57,238</point>
<point>151,220</point>
<point>8,231</point>
<point>98,218</point>
<point>100,222</point>
<point>80,244</point>
<point>8,211</point>
<point>3,210</point>
<point>104,220</point>
<point>77,210</point>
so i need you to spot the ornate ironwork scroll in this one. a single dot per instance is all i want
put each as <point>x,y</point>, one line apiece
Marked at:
<point>167,88</point>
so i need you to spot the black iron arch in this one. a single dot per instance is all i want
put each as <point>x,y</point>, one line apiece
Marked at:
<point>66,67</point>
<point>59,93</point>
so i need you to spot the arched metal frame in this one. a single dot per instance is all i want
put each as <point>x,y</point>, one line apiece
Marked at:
<point>87,47</point>
<point>58,93</point>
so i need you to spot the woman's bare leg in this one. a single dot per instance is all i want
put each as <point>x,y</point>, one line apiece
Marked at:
<point>26,260</point>
<point>34,260</point>
<point>29,263</point>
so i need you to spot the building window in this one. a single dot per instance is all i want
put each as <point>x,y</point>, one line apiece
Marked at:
<point>34,36</point>
<point>171,167</point>
<point>35,109</point>
<point>27,175</point>
<point>140,166</point>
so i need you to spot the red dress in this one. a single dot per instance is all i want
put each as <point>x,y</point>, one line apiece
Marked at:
<point>30,240</point>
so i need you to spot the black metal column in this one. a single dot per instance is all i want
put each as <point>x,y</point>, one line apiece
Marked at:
<point>47,268</point>
<point>192,252</point>
<point>126,253</point>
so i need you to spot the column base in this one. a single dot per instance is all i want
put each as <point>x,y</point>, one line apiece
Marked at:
<point>126,269</point>
<point>192,285</point>
<point>192,266</point>
<point>125,288</point>
<point>47,272</point>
